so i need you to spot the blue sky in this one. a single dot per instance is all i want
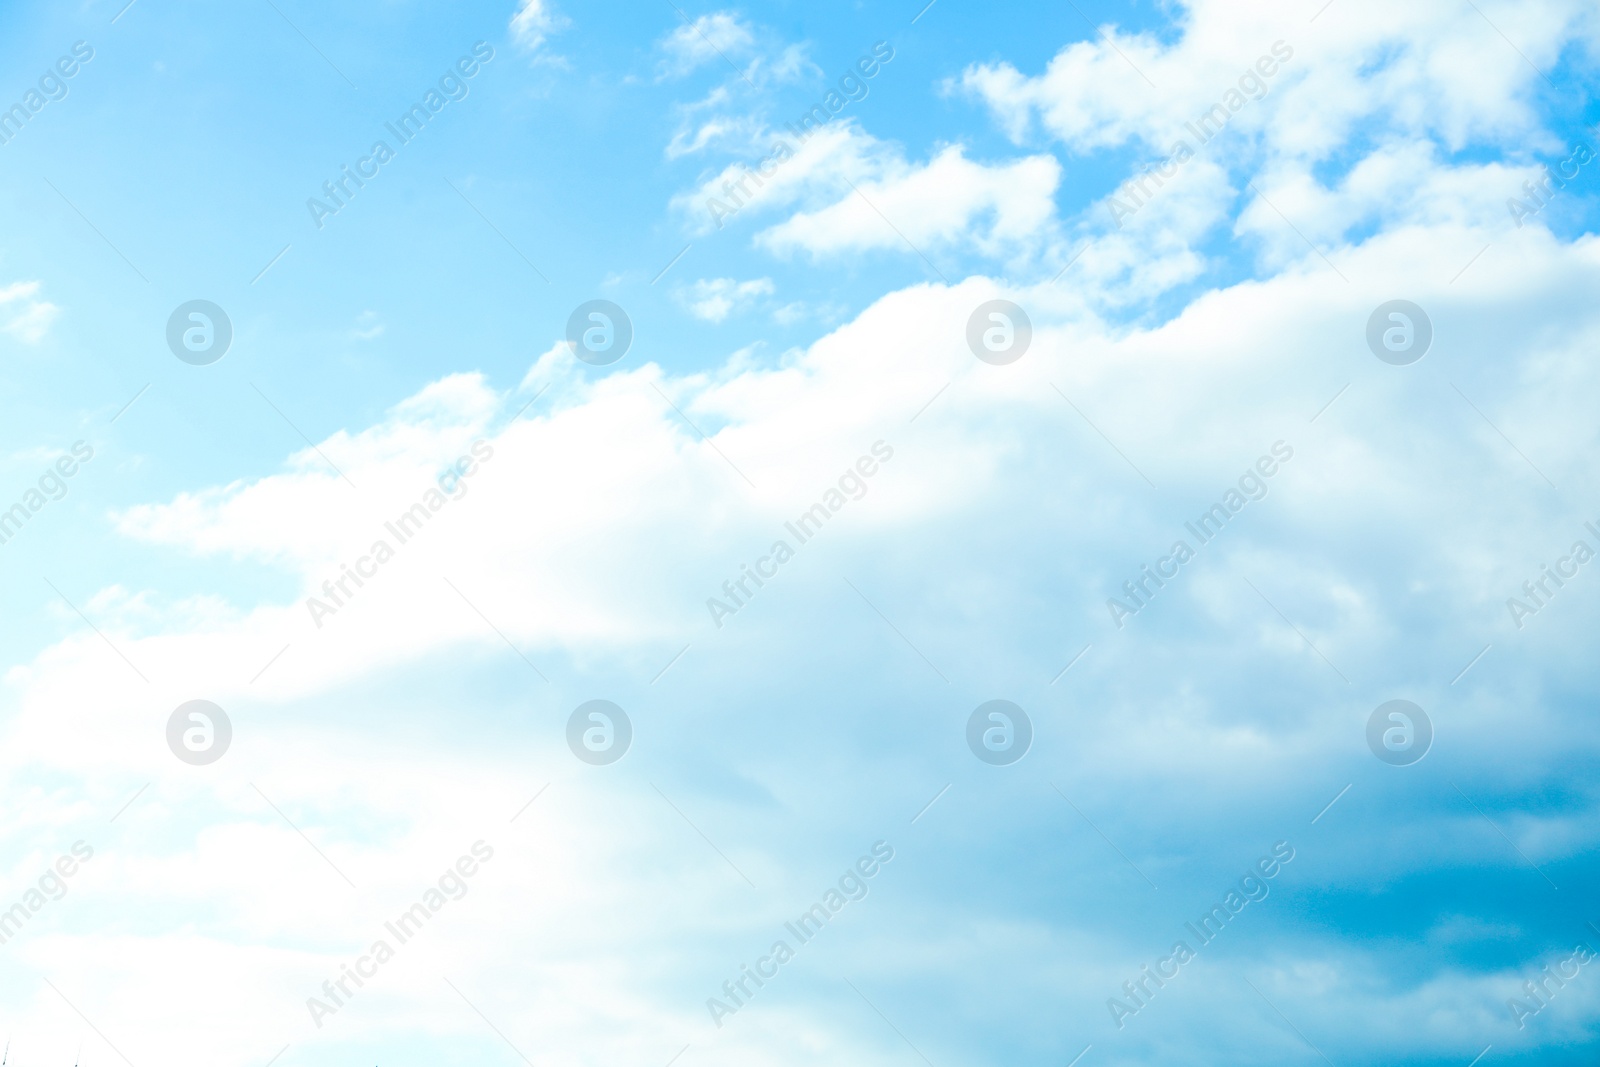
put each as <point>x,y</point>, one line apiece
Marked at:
<point>814,347</point>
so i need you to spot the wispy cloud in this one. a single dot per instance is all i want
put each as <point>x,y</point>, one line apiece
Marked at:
<point>714,299</point>
<point>23,314</point>
<point>534,21</point>
<point>714,38</point>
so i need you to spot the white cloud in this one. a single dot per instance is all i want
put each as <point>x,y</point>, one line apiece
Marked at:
<point>591,539</point>
<point>1422,70</point>
<point>717,37</point>
<point>572,573</point>
<point>1018,499</point>
<point>949,201</point>
<point>723,129</point>
<point>23,314</point>
<point>809,173</point>
<point>533,22</point>
<point>792,64</point>
<point>1405,90</point>
<point>847,191</point>
<point>726,118</point>
<point>714,299</point>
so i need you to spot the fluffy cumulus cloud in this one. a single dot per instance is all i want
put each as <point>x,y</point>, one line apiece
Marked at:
<point>1423,71</point>
<point>800,577</point>
<point>1331,126</point>
<point>844,191</point>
